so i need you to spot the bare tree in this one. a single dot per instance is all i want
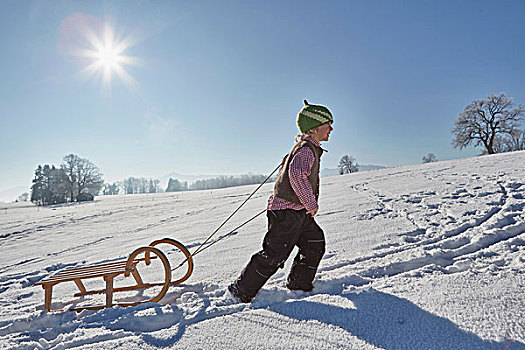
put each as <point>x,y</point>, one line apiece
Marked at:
<point>69,166</point>
<point>482,121</point>
<point>347,165</point>
<point>429,158</point>
<point>24,197</point>
<point>82,176</point>
<point>515,141</point>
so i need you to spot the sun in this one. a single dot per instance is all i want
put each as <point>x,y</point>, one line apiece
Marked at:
<point>108,60</point>
<point>106,57</point>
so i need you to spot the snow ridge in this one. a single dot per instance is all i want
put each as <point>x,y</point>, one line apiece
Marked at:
<point>428,256</point>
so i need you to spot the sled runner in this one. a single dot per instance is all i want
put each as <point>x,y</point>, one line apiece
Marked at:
<point>109,271</point>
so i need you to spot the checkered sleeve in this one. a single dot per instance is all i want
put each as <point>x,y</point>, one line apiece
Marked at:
<point>299,170</point>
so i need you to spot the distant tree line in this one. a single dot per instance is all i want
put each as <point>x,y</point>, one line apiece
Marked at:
<point>138,185</point>
<point>175,185</point>
<point>77,179</point>
<point>132,185</point>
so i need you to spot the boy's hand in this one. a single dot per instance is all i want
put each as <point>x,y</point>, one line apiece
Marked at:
<point>312,212</point>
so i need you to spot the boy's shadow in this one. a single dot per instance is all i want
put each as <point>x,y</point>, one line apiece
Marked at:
<point>390,322</point>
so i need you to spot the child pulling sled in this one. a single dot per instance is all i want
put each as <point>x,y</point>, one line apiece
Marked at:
<point>290,212</point>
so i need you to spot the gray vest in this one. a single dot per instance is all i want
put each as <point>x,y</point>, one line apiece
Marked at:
<point>283,189</point>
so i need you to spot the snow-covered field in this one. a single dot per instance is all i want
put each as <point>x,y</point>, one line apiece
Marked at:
<point>418,257</point>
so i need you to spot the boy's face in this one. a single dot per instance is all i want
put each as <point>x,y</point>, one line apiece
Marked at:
<point>323,131</point>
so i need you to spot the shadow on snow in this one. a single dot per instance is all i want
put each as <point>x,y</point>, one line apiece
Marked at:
<point>389,322</point>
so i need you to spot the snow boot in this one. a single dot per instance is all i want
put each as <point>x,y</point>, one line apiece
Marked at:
<point>237,294</point>
<point>305,288</point>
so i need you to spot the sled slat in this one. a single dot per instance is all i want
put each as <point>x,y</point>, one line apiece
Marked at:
<point>90,271</point>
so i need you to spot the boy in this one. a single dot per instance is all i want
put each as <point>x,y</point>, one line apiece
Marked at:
<point>290,212</point>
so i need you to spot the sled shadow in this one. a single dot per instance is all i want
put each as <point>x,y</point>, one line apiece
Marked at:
<point>390,322</point>
<point>204,313</point>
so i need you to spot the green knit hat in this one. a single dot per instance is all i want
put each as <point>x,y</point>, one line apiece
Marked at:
<point>312,116</point>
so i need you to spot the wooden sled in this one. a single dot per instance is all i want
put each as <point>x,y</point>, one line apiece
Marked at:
<point>127,267</point>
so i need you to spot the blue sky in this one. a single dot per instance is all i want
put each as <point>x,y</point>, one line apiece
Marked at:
<point>219,83</point>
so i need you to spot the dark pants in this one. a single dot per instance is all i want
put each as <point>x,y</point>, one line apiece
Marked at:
<point>286,229</point>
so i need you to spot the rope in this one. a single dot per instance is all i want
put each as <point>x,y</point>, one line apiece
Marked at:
<point>230,233</point>
<point>202,247</point>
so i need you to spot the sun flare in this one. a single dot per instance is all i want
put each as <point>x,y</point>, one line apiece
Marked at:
<point>106,57</point>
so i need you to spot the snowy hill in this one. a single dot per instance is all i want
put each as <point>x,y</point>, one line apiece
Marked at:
<point>428,256</point>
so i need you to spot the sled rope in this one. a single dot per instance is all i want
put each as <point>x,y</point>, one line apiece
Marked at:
<point>229,233</point>
<point>203,245</point>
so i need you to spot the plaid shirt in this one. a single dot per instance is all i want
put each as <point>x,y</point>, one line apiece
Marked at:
<point>299,171</point>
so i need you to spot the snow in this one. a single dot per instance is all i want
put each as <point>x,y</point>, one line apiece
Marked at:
<point>427,256</point>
